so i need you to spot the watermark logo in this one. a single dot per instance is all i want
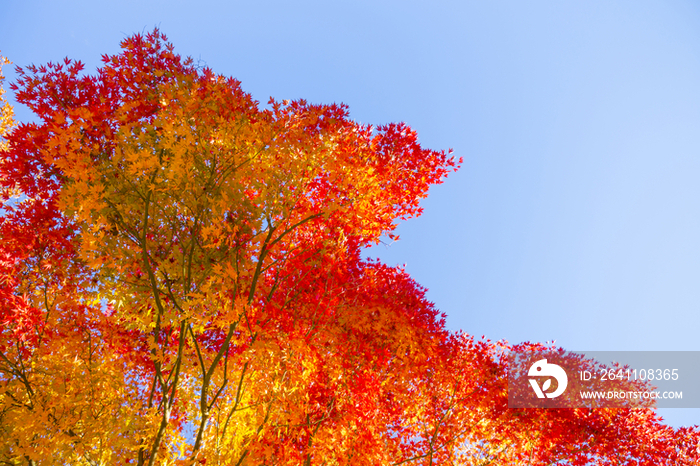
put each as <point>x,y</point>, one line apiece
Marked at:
<point>542,368</point>
<point>603,379</point>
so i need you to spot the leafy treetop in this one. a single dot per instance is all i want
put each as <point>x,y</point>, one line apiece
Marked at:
<point>181,283</point>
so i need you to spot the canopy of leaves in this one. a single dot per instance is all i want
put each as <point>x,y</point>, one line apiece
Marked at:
<point>181,283</point>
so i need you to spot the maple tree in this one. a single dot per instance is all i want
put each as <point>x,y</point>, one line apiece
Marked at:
<point>181,282</point>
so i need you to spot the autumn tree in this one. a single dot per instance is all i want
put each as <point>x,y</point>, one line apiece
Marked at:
<point>181,282</point>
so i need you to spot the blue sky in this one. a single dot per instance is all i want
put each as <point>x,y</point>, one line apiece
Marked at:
<point>576,214</point>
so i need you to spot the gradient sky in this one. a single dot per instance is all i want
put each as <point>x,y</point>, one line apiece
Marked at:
<point>576,214</point>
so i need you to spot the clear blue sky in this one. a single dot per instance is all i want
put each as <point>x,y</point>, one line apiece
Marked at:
<point>576,214</point>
